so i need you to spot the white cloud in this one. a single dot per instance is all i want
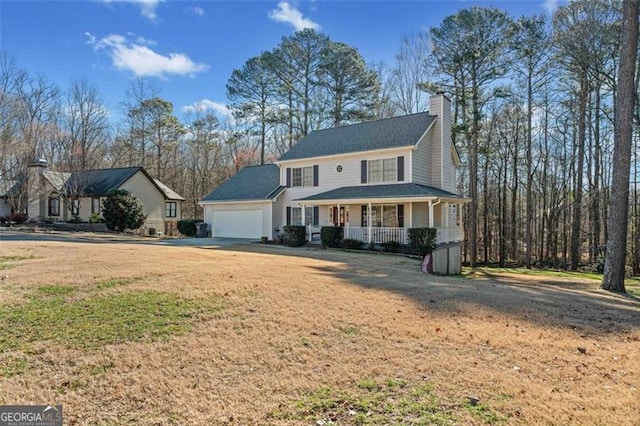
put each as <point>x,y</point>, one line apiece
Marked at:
<point>289,14</point>
<point>198,11</point>
<point>147,7</point>
<point>141,60</point>
<point>205,105</point>
<point>550,6</point>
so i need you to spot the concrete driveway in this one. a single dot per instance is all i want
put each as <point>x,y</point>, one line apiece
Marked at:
<point>9,234</point>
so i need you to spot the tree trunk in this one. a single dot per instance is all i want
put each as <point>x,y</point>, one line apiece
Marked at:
<point>613,279</point>
<point>576,225</point>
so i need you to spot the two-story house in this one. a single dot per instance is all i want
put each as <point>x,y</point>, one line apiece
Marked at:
<point>375,179</point>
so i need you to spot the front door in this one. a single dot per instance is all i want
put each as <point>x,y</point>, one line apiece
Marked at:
<point>340,217</point>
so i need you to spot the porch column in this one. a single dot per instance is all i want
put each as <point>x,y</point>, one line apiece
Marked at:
<point>430,214</point>
<point>410,215</point>
<point>447,210</point>
<point>369,230</point>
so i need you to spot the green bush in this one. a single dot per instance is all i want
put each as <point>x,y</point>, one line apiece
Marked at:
<point>187,227</point>
<point>331,236</point>
<point>351,244</point>
<point>75,219</point>
<point>96,218</point>
<point>391,246</point>
<point>295,235</point>
<point>122,210</point>
<point>422,241</point>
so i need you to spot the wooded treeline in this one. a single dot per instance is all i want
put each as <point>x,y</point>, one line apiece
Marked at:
<point>533,108</point>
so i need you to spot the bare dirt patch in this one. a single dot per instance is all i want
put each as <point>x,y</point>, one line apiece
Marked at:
<point>313,335</point>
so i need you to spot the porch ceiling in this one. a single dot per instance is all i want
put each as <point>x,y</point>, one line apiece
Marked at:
<point>404,192</point>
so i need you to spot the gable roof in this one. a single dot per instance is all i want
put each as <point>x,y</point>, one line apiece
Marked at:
<point>8,187</point>
<point>169,193</point>
<point>98,182</point>
<point>402,190</point>
<point>380,134</point>
<point>249,184</point>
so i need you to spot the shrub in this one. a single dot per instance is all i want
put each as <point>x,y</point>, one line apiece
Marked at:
<point>187,227</point>
<point>295,235</point>
<point>96,218</point>
<point>18,217</point>
<point>331,236</point>
<point>122,210</point>
<point>391,246</point>
<point>351,244</point>
<point>422,240</point>
<point>75,219</point>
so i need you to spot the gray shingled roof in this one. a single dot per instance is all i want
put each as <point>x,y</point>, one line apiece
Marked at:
<point>169,193</point>
<point>8,187</point>
<point>402,190</point>
<point>95,183</point>
<point>250,183</point>
<point>388,133</point>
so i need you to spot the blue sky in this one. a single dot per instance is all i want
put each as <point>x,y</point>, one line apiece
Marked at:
<point>189,48</point>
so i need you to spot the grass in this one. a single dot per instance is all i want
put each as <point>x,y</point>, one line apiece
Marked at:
<point>632,284</point>
<point>97,320</point>
<point>370,402</point>
<point>8,261</point>
<point>114,282</point>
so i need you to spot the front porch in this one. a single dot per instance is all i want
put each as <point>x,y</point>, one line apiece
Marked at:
<point>380,223</point>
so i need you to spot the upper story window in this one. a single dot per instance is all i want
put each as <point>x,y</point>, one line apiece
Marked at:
<point>171,209</point>
<point>383,170</point>
<point>302,176</point>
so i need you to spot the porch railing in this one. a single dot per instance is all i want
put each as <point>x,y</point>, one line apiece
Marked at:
<point>383,235</point>
<point>380,235</point>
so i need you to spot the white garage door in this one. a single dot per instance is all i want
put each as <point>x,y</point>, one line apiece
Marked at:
<point>238,224</point>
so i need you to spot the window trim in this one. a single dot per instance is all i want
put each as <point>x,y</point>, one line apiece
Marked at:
<point>387,171</point>
<point>75,207</point>
<point>302,177</point>
<point>169,211</point>
<point>93,206</point>
<point>57,204</point>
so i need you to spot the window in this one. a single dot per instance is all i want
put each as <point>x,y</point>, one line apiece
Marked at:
<point>296,216</point>
<point>375,171</point>
<point>388,216</point>
<point>170,209</point>
<point>385,170</point>
<point>75,207</point>
<point>389,170</point>
<point>302,176</point>
<point>54,206</point>
<point>95,205</point>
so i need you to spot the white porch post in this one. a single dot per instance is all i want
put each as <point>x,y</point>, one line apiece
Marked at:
<point>369,224</point>
<point>447,210</point>
<point>410,215</point>
<point>430,214</point>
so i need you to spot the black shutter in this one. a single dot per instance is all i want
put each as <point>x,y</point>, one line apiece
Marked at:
<point>316,215</point>
<point>363,171</point>
<point>315,175</point>
<point>401,214</point>
<point>363,219</point>
<point>288,177</point>
<point>288,216</point>
<point>400,169</point>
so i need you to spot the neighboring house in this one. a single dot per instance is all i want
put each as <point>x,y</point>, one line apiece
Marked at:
<point>375,179</point>
<point>77,195</point>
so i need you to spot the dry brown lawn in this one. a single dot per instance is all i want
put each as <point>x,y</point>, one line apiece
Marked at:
<point>533,351</point>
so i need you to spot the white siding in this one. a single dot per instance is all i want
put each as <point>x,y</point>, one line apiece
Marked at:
<point>422,159</point>
<point>420,215</point>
